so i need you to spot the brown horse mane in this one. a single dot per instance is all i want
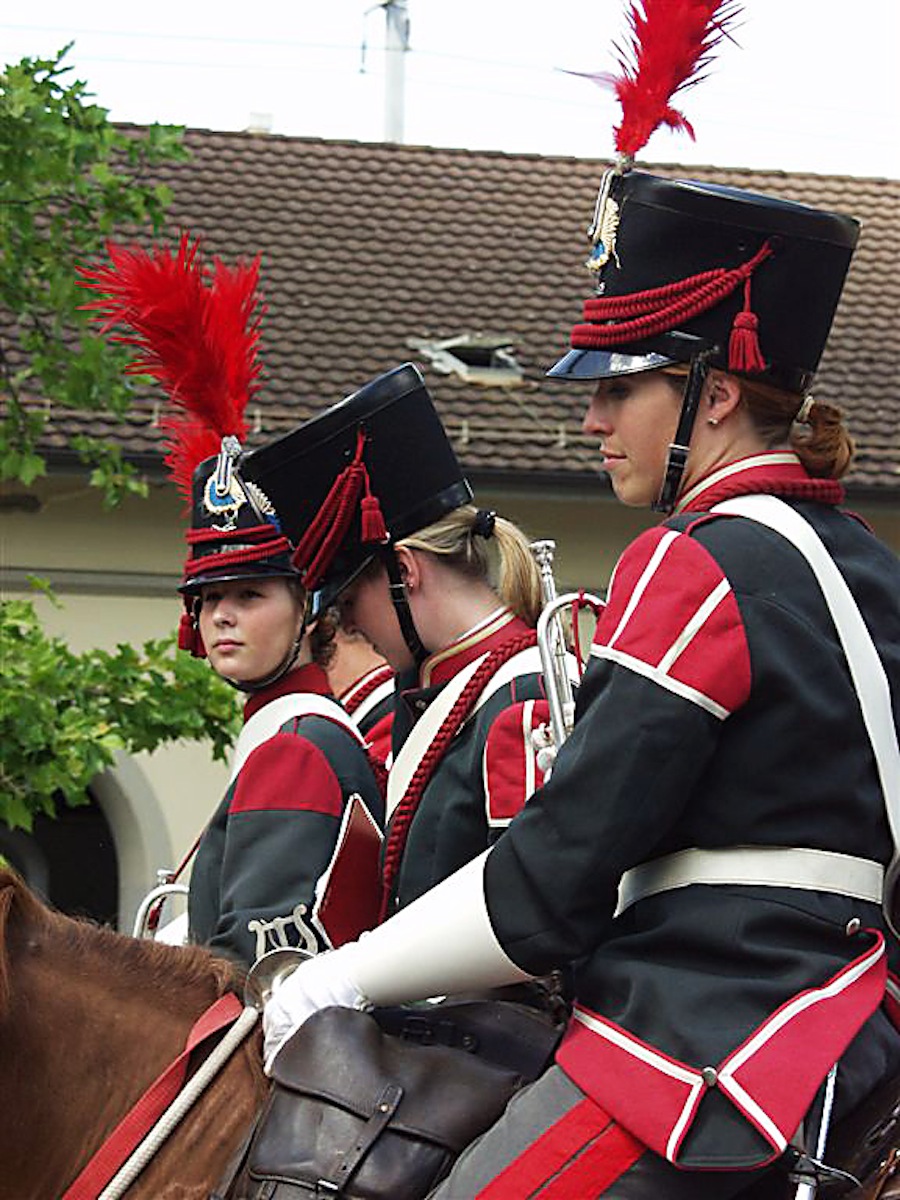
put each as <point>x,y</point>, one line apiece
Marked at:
<point>191,965</point>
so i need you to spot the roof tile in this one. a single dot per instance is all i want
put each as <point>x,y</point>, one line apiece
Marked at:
<point>368,246</point>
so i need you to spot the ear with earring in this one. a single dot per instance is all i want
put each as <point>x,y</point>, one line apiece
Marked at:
<point>716,393</point>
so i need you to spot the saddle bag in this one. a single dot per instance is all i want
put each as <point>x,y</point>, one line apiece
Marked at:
<point>866,1144</point>
<point>363,1114</point>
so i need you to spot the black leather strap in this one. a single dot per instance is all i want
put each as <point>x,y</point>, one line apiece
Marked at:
<point>385,1107</point>
<point>678,450</point>
<point>401,604</point>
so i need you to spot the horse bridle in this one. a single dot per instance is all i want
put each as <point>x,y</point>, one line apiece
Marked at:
<point>129,1147</point>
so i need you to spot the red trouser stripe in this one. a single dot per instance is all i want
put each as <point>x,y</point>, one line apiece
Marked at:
<point>600,1165</point>
<point>548,1162</point>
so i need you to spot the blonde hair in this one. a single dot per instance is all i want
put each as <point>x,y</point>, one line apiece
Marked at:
<point>459,541</point>
<point>814,429</point>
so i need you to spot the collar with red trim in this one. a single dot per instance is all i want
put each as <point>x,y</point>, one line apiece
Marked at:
<point>772,472</point>
<point>494,631</point>
<point>308,678</point>
<point>361,687</point>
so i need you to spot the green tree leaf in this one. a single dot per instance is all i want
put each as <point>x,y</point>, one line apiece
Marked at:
<point>63,715</point>
<point>68,180</point>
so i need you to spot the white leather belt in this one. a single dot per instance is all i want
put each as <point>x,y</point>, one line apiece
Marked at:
<point>755,866</point>
<point>867,671</point>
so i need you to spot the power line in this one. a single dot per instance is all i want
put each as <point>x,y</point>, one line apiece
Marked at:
<point>242,42</point>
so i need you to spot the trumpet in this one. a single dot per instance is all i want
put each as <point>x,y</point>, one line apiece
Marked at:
<point>146,921</point>
<point>268,973</point>
<point>555,657</point>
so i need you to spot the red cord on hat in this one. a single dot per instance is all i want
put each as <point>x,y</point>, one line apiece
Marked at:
<point>322,539</point>
<point>252,551</point>
<point>661,309</point>
<point>744,353</point>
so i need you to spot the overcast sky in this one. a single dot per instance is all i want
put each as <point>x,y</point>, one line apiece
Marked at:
<point>807,87</point>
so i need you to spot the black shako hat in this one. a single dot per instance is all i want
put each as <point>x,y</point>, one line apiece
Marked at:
<point>684,267</point>
<point>235,532</point>
<point>372,469</point>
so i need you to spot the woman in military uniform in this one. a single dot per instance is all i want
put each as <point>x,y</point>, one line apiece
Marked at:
<point>276,865</point>
<point>710,854</point>
<point>262,867</point>
<point>448,593</point>
<point>363,682</point>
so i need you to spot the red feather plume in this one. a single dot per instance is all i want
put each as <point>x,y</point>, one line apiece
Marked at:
<point>195,330</point>
<point>671,43</point>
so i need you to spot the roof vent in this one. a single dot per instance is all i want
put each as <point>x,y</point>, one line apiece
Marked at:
<point>259,122</point>
<point>483,358</point>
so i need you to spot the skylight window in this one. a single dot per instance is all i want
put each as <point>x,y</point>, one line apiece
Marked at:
<point>482,358</point>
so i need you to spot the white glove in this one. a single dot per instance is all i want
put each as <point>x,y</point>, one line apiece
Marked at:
<point>440,944</point>
<point>323,981</point>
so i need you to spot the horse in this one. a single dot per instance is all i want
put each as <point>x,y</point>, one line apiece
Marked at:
<point>88,1019</point>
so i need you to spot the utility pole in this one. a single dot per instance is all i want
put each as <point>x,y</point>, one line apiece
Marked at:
<point>396,46</point>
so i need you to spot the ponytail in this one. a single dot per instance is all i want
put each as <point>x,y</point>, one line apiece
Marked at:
<point>822,441</point>
<point>519,582</point>
<point>813,429</point>
<point>462,539</point>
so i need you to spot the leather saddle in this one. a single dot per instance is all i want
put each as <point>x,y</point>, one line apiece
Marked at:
<point>864,1146</point>
<point>373,1106</point>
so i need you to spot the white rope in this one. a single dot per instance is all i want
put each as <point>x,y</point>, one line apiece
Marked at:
<point>189,1094</point>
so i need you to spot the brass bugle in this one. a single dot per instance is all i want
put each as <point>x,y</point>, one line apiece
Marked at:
<point>555,657</point>
<point>270,970</point>
<point>149,905</point>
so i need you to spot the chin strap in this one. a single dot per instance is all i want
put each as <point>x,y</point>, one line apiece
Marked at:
<point>401,604</point>
<point>678,450</point>
<point>252,686</point>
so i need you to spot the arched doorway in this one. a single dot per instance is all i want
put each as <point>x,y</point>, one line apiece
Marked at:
<point>69,859</point>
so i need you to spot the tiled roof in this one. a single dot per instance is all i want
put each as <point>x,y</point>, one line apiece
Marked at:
<point>369,247</point>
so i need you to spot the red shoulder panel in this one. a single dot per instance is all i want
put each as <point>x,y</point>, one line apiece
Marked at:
<point>509,768</point>
<point>287,772</point>
<point>671,614</point>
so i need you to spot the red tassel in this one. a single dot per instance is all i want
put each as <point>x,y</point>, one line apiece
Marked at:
<point>185,632</point>
<point>372,526</point>
<point>325,533</point>
<point>189,636</point>
<point>744,352</point>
